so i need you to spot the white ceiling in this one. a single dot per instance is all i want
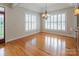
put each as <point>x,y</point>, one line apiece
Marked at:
<point>40,7</point>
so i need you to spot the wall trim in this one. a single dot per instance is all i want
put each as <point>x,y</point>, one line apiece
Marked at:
<point>16,38</point>
<point>67,35</point>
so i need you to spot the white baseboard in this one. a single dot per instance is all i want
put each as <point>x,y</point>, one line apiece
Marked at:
<point>20,37</point>
<point>60,34</point>
<point>35,33</point>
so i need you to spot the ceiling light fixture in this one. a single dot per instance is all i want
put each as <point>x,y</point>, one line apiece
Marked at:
<point>76,10</point>
<point>45,14</point>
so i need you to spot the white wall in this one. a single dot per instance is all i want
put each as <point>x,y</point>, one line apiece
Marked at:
<point>15,23</point>
<point>71,22</point>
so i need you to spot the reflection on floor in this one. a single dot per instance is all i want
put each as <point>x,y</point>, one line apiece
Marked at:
<point>41,44</point>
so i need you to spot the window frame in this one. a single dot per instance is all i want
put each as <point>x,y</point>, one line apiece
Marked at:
<point>52,15</point>
<point>3,12</point>
<point>31,21</point>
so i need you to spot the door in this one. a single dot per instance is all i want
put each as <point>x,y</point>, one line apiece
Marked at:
<point>2,25</point>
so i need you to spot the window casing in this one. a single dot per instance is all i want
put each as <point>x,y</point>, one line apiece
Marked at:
<point>56,22</point>
<point>30,22</point>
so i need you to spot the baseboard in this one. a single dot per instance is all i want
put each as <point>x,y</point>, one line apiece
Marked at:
<point>33,34</point>
<point>20,37</point>
<point>59,34</point>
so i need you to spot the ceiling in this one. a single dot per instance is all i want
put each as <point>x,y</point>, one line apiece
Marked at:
<point>40,7</point>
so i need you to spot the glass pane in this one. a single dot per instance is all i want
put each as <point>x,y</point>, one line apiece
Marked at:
<point>30,18</point>
<point>34,26</point>
<point>33,18</point>
<point>59,26</point>
<point>26,26</point>
<point>1,26</point>
<point>63,17</point>
<point>48,19</point>
<point>55,26</point>
<point>59,18</point>
<point>52,26</point>
<point>29,26</point>
<point>63,21</point>
<point>52,19</point>
<point>55,18</point>
<point>26,17</point>
<point>48,25</point>
<point>59,22</point>
<point>63,26</point>
<point>55,22</point>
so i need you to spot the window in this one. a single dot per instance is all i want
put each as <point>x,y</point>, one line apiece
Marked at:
<point>1,23</point>
<point>59,22</point>
<point>30,22</point>
<point>56,22</point>
<point>63,22</point>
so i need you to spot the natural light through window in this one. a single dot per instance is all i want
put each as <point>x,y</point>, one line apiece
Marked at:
<point>30,22</point>
<point>56,22</point>
<point>1,22</point>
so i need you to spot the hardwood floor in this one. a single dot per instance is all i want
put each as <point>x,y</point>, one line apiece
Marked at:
<point>41,44</point>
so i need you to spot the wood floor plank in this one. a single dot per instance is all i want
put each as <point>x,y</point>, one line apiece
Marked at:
<point>41,44</point>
